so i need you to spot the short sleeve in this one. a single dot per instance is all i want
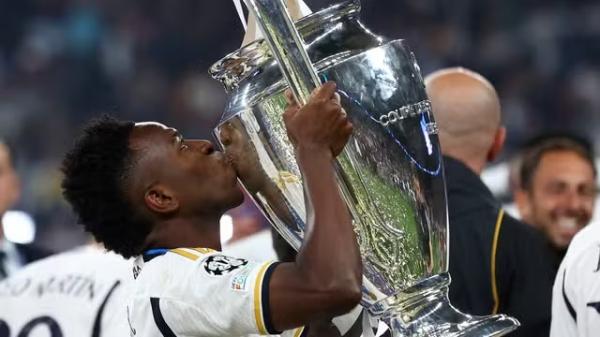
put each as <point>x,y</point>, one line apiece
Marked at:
<point>298,332</point>
<point>210,294</point>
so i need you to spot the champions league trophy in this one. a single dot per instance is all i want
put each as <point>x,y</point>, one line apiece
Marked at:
<point>390,172</point>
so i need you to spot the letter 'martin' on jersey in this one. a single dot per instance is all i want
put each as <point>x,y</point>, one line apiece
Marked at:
<point>77,293</point>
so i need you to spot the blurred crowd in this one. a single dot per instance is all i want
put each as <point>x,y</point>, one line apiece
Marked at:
<point>64,61</point>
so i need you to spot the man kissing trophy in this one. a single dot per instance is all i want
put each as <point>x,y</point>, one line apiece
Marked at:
<point>390,172</point>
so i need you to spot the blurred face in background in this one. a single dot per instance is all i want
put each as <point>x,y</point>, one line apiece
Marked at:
<point>560,200</point>
<point>9,182</point>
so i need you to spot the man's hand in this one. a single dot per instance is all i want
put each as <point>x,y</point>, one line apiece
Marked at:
<point>325,279</point>
<point>321,124</point>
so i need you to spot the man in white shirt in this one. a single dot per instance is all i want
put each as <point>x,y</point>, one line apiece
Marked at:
<point>576,293</point>
<point>143,190</point>
<point>79,293</point>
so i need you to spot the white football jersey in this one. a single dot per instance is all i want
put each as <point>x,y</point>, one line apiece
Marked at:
<point>576,292</point>
<point>200,292</point>
<point>73,294</point>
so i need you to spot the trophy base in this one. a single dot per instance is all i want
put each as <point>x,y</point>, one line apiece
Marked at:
<point>424,310</point>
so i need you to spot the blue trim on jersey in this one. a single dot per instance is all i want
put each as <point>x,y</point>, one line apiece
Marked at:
<point>152,253</point>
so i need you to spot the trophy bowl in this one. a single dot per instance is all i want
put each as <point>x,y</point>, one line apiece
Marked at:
<point>390,173</point>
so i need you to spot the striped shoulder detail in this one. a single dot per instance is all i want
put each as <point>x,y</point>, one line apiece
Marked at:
<point>494,281</point>
<point>262,310</point>
<point>188,253</point>
<point>204,250</point>
<point>300,332</point>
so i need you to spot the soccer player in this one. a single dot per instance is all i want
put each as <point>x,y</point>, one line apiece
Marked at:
<point>76,293</point>
<point>145,191</point>
<point>576,293</point>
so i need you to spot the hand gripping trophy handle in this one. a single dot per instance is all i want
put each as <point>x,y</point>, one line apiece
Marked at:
<point>390,173</point>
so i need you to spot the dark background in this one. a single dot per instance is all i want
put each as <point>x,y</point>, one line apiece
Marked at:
<point>63,62</point>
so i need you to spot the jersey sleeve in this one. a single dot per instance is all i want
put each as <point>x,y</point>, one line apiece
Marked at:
<point>214,295</point>
<point>583,281</point>
<point>576,295</point>
<point>298,332</point>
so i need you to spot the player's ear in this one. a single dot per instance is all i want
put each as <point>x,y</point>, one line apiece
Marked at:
<point>497,145</point>
<point>161,199</point>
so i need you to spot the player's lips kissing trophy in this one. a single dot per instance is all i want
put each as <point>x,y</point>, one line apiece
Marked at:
<point>390,172</point>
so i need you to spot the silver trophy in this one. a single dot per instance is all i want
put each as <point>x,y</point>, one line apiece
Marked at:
<point>390,172</point>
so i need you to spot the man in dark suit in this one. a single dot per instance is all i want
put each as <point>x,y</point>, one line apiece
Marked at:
<point>496,263</point>
<point>12,256</point>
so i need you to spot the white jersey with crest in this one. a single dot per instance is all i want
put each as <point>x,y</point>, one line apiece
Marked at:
<point>73,294</point>
<point>200,292</point>
<point>576,293</point>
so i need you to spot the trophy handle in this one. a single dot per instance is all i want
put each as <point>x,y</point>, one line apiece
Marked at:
<point>287,46</point>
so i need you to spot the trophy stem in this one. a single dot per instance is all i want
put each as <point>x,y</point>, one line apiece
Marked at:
<point>287,46</point>
<point>424,310</point>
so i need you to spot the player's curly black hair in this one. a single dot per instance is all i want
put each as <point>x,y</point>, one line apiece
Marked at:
<point>96,172</point>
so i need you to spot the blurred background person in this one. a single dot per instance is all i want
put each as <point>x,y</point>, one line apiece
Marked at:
<point>13,256</point>
<point>77,293</point>
<point>557,189</point>
<point>497,264</point>
<point>247,221</point>
<point>245,232</point>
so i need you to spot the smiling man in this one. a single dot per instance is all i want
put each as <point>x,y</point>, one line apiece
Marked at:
<point>145,191</point>
<point>557,188</point>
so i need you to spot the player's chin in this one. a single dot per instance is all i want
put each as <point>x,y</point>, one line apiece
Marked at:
<point>231,196</point>
<point>238,196</point>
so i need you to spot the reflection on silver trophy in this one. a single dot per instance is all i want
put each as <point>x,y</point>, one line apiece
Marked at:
<point>390,172</point>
